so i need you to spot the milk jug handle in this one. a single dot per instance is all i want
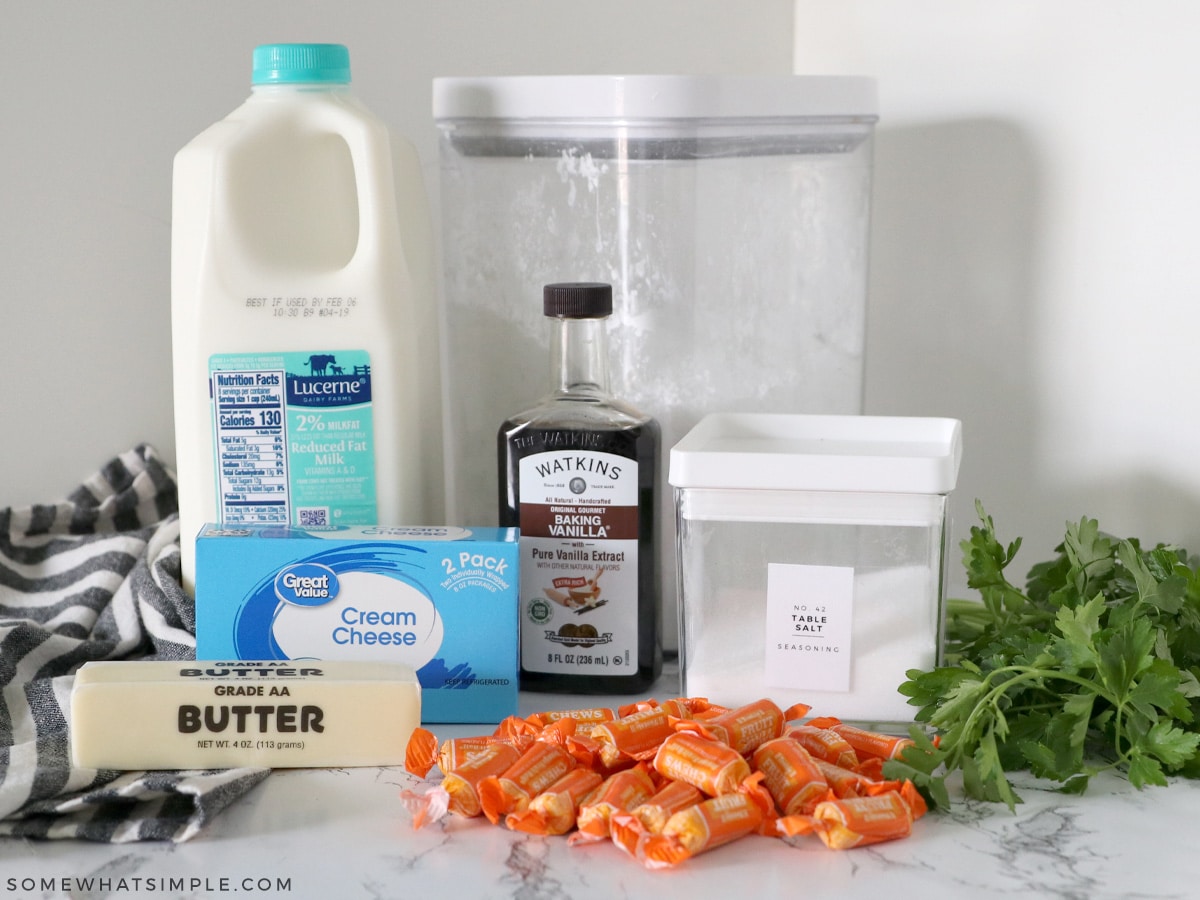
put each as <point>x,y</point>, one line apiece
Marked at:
<point>370,153</point>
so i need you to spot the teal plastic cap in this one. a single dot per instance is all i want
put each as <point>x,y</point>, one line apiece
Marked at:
<point>301,64</point>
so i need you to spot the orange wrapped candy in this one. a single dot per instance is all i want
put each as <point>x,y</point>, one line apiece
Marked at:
<point>871,767</point>
<point>843,782</point>
<point>427,807</point>
<point>859,821</point>
<point>515,728</point>
<point>711,712</point>
<point>823,743</point>
<point>537,768</point>
<point>791,775</point>
<point>462,783</point>
<point>634,737</point>
<point>563,731</point>
<point>585,719</point>
<point>554,810</point>
<point>679,707</point>
<point>747,727</point>
<point>619,793</point>
<point>668,800</point>
<point>713,767</point>
<point>560,731</point>
<point>702,827</point>
<point>456,751</point>
<point>421,752</point>
<point>459,791</point>
<point>865,743</point>
<point>585,750</point>
<point>666,781</point>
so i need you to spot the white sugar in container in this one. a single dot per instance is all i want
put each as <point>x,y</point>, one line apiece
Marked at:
<point>811,554</point>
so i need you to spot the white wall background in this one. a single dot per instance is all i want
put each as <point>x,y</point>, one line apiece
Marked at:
<point>98,97</point>
<point>1033,271</point>
<point>1035,191</point>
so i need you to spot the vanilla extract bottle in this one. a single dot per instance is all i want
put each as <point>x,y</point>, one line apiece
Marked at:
<point>578,476</point>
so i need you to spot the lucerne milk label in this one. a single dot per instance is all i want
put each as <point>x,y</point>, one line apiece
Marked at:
<point>293,438</point>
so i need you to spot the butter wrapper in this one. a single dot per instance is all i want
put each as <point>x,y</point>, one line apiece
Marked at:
<point>156,714</point>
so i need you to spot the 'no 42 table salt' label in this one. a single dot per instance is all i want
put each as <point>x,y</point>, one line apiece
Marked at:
<point>809,615</point>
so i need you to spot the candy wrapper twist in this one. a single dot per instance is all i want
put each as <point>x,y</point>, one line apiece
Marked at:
<point>666,781</point>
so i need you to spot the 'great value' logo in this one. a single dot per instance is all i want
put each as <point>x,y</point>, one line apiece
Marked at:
<point>306,584</point>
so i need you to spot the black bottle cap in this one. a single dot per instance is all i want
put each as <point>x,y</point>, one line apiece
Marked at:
<point>577,300</point>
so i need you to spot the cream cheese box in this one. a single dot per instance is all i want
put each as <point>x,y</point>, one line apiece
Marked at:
<point>441,599</point>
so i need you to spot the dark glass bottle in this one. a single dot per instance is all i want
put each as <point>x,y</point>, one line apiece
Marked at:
<point>578,476</point>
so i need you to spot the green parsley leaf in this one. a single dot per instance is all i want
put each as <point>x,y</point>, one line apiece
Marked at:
<point>1094,664</point>
<point>1171,744</point>
<point>920,764</point>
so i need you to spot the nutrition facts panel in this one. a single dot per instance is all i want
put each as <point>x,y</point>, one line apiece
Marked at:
<point>251,445</point>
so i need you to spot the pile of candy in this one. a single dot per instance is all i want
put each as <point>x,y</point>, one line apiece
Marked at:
<point>666,781</point>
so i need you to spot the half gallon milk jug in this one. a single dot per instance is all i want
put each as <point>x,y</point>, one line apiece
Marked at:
<point>303,316</point>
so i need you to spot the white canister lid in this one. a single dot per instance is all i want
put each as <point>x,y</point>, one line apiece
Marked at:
<point>877,454</point>
<point>626,97</point>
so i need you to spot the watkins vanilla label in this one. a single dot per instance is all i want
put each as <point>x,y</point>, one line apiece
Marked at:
<point>579,563</point>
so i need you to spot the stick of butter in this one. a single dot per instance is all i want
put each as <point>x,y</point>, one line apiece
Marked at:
<point>151,714</point>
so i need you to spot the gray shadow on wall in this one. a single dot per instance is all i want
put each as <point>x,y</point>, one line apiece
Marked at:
<point>1144,505</point>
<point>953,286</point>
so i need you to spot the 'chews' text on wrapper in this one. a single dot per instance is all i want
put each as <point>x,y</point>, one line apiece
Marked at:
<point>442,600</point>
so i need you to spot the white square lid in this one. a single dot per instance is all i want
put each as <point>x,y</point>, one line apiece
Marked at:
<point>764,451</point>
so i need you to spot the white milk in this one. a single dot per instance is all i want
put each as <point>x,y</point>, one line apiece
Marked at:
<point>303,314</point>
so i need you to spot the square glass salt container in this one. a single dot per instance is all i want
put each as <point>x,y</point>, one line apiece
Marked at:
<point>811,557</point>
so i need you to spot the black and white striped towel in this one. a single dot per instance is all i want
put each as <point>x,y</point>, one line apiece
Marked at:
<point>95,576</point>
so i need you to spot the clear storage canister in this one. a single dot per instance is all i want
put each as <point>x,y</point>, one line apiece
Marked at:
<point>729,213</point>
<point>811,558</point>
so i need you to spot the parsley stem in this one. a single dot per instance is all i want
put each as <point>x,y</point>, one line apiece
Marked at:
<point>1022,674</point>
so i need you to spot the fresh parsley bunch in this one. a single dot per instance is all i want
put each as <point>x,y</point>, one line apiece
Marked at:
<point>1093,666</point>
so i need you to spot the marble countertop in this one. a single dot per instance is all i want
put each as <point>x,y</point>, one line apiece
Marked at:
<point>343,833</point>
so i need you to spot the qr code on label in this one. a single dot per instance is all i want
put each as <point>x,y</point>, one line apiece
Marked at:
<point>314,516</point>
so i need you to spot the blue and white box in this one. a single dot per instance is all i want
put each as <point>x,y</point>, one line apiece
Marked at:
<point>443,600</point>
